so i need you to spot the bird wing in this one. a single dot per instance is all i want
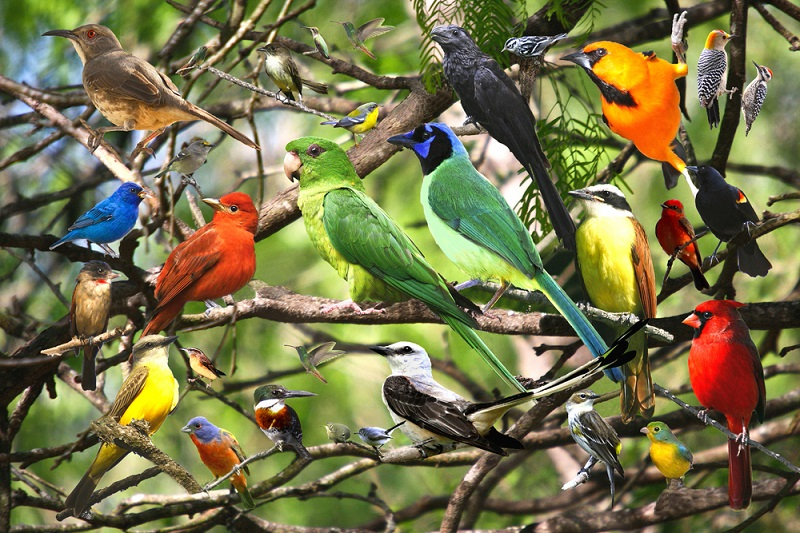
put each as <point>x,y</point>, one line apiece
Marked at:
<point>102,212</point>
<point>228,437</point>
<point>365,235</point>
<point>643,269</point>
<point>373,28</point>
<point>142,82</point>
<point>744,206</point>
<point>324,353</point>
<point>473,207</point>
<point>190,259</point>
<point>426,411</point>
<point>602,438</point>
<point>131,388</point>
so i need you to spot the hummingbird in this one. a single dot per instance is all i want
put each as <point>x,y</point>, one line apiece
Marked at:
<point>368,30</point>
<point>338,433</point>
<point>195,60</point>
<point>319,42</point>
<point>322,353</point>
<point>377,437</point>
<point>277,420</point>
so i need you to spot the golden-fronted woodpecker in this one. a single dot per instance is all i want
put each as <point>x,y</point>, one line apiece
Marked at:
<point>754,96</point>
<point>711,69</point>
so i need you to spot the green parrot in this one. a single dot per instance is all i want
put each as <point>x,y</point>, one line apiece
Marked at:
<point>477,229</point>
<point>366,247</point>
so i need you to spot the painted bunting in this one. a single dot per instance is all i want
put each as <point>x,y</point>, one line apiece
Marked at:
<point>150,393</point>
<point>726,374</point>
<point>217,260</point>
<point>367,247</point>
<point>88,315</point>
<point>672,458</point>
<point>368,30</point>
<point>108,221</point>
<point>220,452</point>
<point>322,353</point>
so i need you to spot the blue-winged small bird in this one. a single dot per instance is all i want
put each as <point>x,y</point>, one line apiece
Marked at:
<point>672,458</point>
<point>726,211</point>
<point>88,315</point>
<point>202,365</point>
<point>108,221</point>
<point>319,42</point>
<point>377,437</point>
<point>220,452</point>
<point>337,433</point>
<point>368,30</point>
<point>594,435</point>
<point>360,120</point>
<point>283,71</point>
<point>277,420</point>
<point>311,359</point>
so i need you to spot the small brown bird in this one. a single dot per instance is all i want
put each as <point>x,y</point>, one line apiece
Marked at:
<point>88,315</point>
<point>202,365</point>
<point>282,70</point>
<point>130,92</point>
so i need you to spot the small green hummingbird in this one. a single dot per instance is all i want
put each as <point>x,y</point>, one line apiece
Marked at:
<point>317,355</point>
<point>338,433</point>
<point>195,60</point>
<point>368,30</point>
<point>319,42</point>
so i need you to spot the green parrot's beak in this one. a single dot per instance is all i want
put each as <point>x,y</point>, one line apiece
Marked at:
<point>292,165</point>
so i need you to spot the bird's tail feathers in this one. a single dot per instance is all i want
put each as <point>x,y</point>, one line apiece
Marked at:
<point>303,452</point>
<point>244,494</point>
<point>230,130</point>
<point>638,395</point>
<point>88,375</point>
<point>672,170</point>
<point>700,281</point>
<point>563,224</point>
<point>740,475</point>
<point>78,499</point>
<point>320,88</point>
<point>752,260</point>
<point>503,441</point>
<point>475,342</point>
<point>712,112</point>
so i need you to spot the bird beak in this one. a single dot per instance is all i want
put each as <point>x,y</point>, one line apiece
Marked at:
<point>693,169</point>
<point>113,275</point>
<point>146,193</point>
<point>381,350</point>
<point>692,321</point>
<point>664,205</point>
<point>215,204</point>
<point>69,34</point>
<point>298,394</point>
<point>580,59</point>
<point>292,165</point>
<point>644,430</point>
<point>581,194</point>
<point>186,429</point>
<point>436,34</point>
<point>263,49</point>
<point>405,140</point>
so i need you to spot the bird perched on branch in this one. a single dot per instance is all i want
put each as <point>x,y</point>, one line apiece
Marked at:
<point>282,70</point>
<point>217,260</point>
<point>130,92</point>
<point>377,437</point>
<point>592,433</point>
<point>530,49</point>
<point>727,212</point>
<point>726,375</point>
<point>88,315</point>
<point>149,393</point>
<point>490,98</point>
<point>319,41</point>
<point>368,30</point>
<point>712,65</point>
<point>220,452</point>
<point>202,365</point>
<point>672,458</point>
<point>754,96</point>
<point>277,420</point>
<point>360,120</point>
<point>338,433</point>
<point>108,221</point>
<point>476,228</point>
<point>617,272</point>
<point>188,160</point>
<point>640,100</point>
<point>367,248</point>
<point>674,231</point>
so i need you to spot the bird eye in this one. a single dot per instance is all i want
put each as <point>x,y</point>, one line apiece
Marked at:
<point>314,150</point>
<point>407,349</point>
<point>601,52</point>
<point>91,34</point>
<point>234,208</point>
<point>197,425</point>
<point>582,396</point>
<point>707,315</point>
<point>656,429</point>
<point>454,32</point>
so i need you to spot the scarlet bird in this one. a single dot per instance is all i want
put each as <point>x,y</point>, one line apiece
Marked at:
<point>218,259</point>
<point>639,98</point>
<point>673,230</point>
<point>726,374</point>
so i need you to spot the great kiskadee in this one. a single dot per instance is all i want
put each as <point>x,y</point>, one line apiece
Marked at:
<point>617,272</point>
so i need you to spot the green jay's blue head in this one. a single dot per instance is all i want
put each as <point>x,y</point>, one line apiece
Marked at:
<point>434,143</point>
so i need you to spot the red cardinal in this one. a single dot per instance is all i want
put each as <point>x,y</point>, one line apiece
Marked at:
<point>726,375</point>
<point>218,259</point>
<point>673,231</point>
